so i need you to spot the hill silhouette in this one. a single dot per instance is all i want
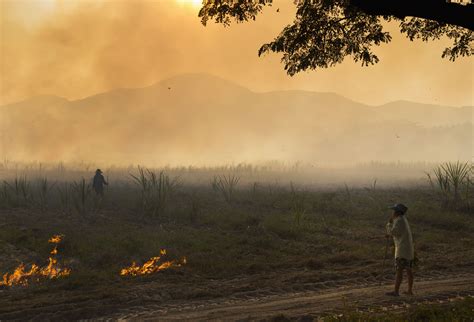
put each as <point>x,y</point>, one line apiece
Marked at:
<point>202,119</point>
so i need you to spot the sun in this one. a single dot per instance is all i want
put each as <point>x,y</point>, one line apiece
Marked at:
<point>45,4</point>
<point>192,3</point>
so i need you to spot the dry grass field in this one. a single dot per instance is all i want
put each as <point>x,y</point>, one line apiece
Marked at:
<point>234,237</point>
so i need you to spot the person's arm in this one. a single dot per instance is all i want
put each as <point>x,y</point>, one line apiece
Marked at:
<point>388,229</point>
<point>394,228</point>
<point>103,180</point>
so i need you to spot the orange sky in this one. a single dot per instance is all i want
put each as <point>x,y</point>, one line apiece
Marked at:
<point>78,48</point>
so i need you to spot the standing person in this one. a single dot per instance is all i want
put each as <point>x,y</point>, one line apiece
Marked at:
<point>98,183</point>
<point>399,229</point>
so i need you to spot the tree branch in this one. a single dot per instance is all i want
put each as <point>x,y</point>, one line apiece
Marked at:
<point>438,10</point>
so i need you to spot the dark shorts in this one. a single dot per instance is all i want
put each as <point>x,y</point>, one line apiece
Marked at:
<point>402,263</point>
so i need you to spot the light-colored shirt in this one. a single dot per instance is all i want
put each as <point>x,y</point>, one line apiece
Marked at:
<point>402,237</point>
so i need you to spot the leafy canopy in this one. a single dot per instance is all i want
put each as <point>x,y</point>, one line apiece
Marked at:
<point>324,32</point>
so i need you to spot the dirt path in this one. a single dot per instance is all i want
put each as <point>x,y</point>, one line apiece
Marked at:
<point>311,303</point>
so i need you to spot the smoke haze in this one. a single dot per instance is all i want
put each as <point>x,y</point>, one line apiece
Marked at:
<point>201,119</point>
<point>75,49</point>
<point>56,56</point>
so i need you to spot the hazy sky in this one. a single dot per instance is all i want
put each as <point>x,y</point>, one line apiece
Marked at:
<point>75,48</point>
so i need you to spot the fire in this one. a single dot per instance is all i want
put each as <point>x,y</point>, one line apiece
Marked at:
<point>22,276</point>
<point>152,266</point>
<point>56,239</point>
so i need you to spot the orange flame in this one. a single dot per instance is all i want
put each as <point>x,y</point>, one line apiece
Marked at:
<point>20,276</point>
<point>56,239</point>
<point>151,266</point>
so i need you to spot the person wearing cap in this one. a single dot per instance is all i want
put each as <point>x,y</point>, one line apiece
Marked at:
<point>399,228</point>
<point>98,183</point>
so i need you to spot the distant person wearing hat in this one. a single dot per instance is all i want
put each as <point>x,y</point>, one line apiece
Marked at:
<point>98,183</point>
<point>399,229</point>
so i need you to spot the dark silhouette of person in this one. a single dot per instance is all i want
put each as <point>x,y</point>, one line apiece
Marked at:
<point>98,183</point>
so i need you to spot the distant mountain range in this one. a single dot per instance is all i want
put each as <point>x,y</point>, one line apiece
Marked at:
<point>202,119</point>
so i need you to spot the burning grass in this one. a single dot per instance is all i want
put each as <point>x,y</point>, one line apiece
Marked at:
<point>22,276</point>
<point>153,265</point>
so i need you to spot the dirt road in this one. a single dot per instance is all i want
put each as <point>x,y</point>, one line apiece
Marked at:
<point>252,297</point>
<point>311,303</point>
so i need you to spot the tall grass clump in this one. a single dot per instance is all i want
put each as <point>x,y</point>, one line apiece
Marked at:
<point>297,204</point>
<point>457,174</point>
<point>450,179</point>
<point>80,195</point>
<point>21,190</point>
<point>5,199</point>
<point>155,190</point>
<point>44,189</point>
<point>323,205</point>
<point>225,185</point>
<point>195,208</point>
<point>469,185</point>
<point>372,189</point>
<point>64,191</point>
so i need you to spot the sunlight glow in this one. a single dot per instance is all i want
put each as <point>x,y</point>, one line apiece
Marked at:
<point>30,13</point>
<point>192,3</point>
